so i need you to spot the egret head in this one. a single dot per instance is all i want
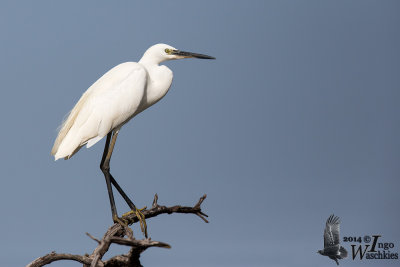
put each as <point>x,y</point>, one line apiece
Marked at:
<point>162,52</point>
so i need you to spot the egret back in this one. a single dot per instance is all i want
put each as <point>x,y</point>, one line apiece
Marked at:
<point>109,103</point>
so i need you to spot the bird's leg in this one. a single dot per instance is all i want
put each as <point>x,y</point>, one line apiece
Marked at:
<point>112,180</point>
<point>106,170</point>
<point>136,211</point>
<point>122,193</point>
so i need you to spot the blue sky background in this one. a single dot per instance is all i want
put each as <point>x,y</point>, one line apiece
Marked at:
<point>297,118</point>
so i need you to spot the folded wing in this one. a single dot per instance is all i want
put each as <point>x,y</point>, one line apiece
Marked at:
<point>109,103</point>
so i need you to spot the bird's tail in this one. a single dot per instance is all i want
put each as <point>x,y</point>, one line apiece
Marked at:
<point>342,253</point>
<point>337,262</point>
<point>69,146</point>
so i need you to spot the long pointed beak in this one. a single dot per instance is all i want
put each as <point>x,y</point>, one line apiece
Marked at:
<point>190,54</point>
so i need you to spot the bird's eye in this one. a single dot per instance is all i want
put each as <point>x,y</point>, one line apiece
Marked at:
<point>168,51</point>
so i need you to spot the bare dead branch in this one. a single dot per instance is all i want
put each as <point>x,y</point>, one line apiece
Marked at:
<point>155,201</point>
<point>51,257</point>
<point>120,261</point>
<point>102,248</point>
<point>145,243</point>
<point>116,234</point>
<point>157,210</point>
<point>92,237</point>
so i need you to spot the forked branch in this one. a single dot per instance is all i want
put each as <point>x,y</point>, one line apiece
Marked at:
<point>122,235</point>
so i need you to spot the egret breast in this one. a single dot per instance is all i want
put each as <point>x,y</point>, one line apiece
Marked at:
<point>158,83</point>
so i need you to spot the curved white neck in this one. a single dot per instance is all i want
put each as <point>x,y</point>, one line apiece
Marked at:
<point>151,59</point>
<point>159,81</point>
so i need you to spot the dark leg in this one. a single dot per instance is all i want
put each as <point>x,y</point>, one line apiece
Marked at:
<point>105,168</point>
<point>122,193</point>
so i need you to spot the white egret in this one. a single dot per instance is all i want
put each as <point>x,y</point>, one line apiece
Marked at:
<point>114,99</point>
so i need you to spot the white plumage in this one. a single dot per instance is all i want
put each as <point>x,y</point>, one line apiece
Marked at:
<point>109,103</point>
<point>114,99</point>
